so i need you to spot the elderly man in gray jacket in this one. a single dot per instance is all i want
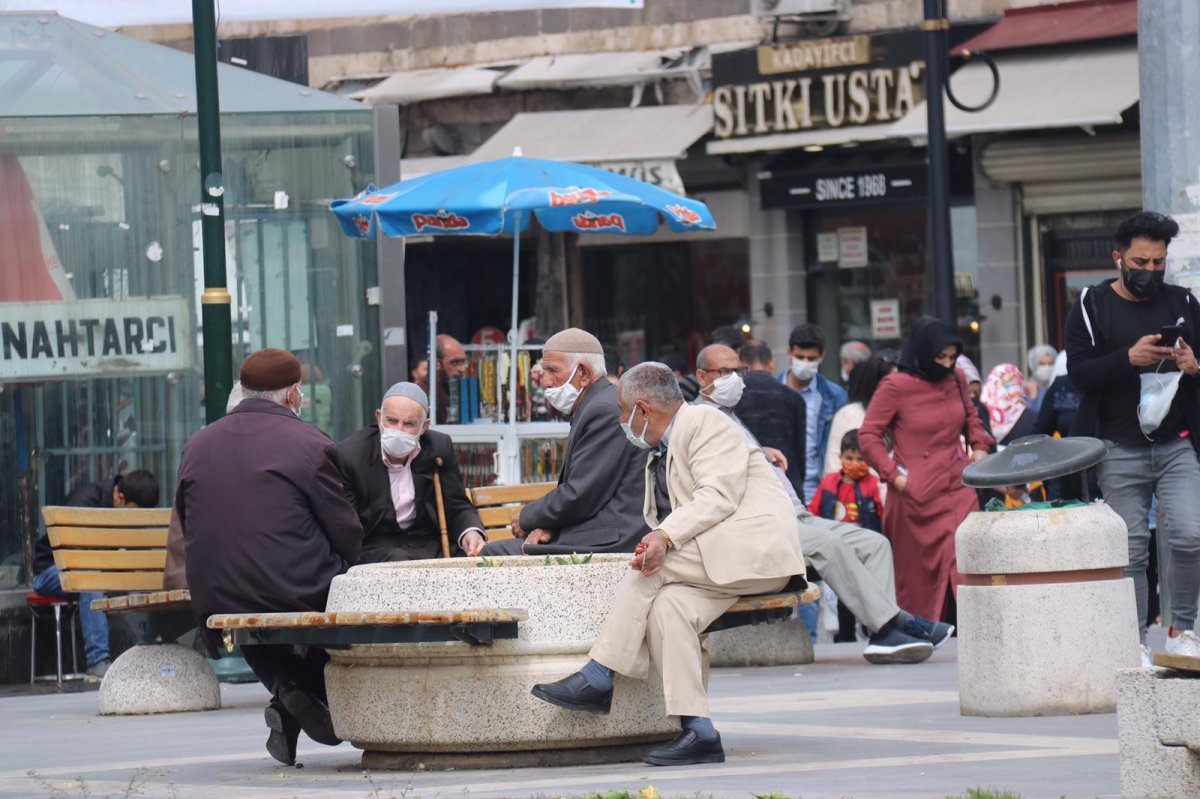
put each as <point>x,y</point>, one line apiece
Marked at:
<point>597,505</point>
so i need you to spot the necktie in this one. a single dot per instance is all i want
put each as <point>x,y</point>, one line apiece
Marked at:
<point>662,499</point>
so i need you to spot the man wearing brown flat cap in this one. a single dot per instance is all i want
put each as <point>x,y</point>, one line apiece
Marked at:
<point>597,506</point>
<point>267,527</point>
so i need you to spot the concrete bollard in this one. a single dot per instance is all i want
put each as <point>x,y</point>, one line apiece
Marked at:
<point>1046,615</point>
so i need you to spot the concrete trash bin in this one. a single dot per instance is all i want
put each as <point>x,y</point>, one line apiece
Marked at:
<point>1046,616</point>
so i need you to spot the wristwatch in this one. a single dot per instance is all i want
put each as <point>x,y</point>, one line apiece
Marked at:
<point>666,539</point>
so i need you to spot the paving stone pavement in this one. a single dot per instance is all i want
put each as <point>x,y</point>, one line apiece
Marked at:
<point>837,728</point>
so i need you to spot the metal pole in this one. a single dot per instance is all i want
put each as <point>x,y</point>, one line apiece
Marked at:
<point>514,475</point>
<point>215,319</point>
<point>939,264</point>
<point>1169,81</point>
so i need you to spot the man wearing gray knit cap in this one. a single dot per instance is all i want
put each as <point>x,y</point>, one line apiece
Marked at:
<point>388,468</point>
<point>597,505</point>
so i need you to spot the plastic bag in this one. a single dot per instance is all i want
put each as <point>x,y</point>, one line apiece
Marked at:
<point>1158,392</point>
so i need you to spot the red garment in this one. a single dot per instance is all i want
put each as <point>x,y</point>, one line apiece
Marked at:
<point>846,501</point>
<point>926,418</point>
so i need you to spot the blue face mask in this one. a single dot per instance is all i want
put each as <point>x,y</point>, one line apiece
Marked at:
<point>638,441</point>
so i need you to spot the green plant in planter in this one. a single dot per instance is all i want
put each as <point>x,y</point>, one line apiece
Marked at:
<point>575,559</point>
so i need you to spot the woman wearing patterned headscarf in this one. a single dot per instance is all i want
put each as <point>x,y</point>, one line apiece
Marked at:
<point>1006,399</point>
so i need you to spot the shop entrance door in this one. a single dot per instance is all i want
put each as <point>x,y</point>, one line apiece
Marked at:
<point>1074,260</point>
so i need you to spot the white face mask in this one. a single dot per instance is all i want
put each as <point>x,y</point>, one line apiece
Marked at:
<point>845,376</point>
<point>638,441</point>
<point>563,397</point>
<point>804,370</point>
<point>396,444</point>
<point>727,390</point>
<point>1044,373</point>
<point>299,402</point>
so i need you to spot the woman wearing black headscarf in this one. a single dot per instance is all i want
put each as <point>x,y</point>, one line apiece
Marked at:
<point>926,408</point>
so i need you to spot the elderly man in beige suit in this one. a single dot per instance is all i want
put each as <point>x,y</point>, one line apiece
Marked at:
<point>721,527</point>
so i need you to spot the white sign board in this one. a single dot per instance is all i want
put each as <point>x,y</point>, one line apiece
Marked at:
<point>89,338</point>
<point>1183,258</point>
<point>852,247</point>
<point>885,319</point>
<point>657,173</point>
<point>827,247</point>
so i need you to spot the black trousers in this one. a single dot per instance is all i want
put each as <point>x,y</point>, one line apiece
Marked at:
<point>417,547</point>
<point>275,664</point>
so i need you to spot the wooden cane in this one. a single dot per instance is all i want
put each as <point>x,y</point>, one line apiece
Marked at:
<point>441,506</point>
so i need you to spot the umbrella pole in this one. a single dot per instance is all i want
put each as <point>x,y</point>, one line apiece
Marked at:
<point>514,451</point>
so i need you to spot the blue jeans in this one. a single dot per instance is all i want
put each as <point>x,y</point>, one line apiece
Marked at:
<point>94,623</point>
<point>1130,477</point>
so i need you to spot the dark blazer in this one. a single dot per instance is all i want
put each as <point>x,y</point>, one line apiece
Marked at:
<point>366,479</point>
<point>597,506</point>
<point>778,418</point>
<point>265,519</point>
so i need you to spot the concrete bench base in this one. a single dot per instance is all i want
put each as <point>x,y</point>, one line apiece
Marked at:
<point>785,643</point>
<point>159,678</point>
<point>1159,732</point>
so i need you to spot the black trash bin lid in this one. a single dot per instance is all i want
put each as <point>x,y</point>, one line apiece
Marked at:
<point>1033,458</point>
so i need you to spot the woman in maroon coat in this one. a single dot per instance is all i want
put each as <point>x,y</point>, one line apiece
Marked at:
<point>926,407</point>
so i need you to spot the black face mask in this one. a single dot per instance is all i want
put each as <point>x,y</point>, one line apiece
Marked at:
<point>1142,283</point>
<point>935,371</point>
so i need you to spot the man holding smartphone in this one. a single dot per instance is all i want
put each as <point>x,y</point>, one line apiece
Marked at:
<point>1119,330</point>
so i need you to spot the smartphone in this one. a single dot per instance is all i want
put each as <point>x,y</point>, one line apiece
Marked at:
<point>1170,335</point>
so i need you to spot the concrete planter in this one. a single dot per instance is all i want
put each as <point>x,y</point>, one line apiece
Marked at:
<point>454,698</point>
<point>1050,617</point>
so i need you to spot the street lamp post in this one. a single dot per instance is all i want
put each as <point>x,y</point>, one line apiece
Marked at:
<point>940,294</point>
<point>214,303</point>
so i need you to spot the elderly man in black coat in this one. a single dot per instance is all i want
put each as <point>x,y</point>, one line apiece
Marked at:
<point>267,527</point>
<point>597,505</point>
<point>388,468</point>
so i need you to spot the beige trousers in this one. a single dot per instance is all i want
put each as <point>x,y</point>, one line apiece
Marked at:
<point>660,619</point>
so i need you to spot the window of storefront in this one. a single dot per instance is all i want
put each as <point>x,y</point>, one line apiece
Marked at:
<point>661,301</point>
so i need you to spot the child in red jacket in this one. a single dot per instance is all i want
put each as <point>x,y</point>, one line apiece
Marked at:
<point>852,494</point>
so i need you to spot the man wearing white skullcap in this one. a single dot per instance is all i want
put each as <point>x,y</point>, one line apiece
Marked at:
<point>388,468</point>
<point>597,506</point>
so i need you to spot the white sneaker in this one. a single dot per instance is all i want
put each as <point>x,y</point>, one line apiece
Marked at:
<point>1185,644</point>
<point>1147,658</point>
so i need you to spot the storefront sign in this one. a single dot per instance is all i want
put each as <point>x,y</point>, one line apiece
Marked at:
<point>852,247</point>
<point>47,340</point>
<point>827,247</point>
<point>858,185</point>
<point>885,319</point>
<point>657,173</point>
<point>821,83</point>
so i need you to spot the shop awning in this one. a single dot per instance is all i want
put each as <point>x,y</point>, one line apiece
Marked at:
<point>1044,25</point>
<point>1039,91</point>
<point>595,69</point>
<point>640,142</point>
<point>404,88</point>
<point>825,137</point>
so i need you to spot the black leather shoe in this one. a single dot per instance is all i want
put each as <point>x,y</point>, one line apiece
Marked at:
<point>281,743</point>
<point>574,693</point>
<point>310,712</point>
<point>686,750</point>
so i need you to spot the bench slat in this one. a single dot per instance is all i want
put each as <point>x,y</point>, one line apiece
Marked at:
<point>55,515</point>
<point>108,537</point>
<point>110,559</point>
<point>499,533</point>
<point>748,604</point>
<point>305,619</point>
<point>154,600</point>
<point>77,581</point>
<point>496,518</point>
<point>516,494</point>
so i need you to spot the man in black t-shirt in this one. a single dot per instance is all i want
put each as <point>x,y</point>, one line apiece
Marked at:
<point>1114,336</point>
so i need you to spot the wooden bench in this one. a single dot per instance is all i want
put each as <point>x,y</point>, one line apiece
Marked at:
<point>341,630</point>
<point>497,504</point>
<point>124,551</point>
<point>120,550</point>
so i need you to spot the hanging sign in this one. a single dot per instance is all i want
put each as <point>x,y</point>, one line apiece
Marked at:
<point>852,247</point>
<point>885,319</point>
<point>88,338</point>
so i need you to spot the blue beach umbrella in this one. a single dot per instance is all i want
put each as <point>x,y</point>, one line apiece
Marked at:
<point>499,197</point>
